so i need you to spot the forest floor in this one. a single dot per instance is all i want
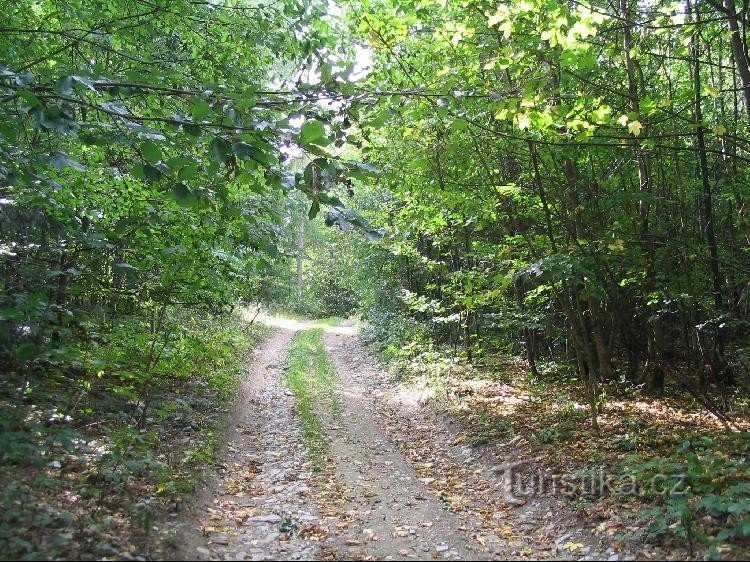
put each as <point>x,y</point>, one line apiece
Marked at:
<point>398,480</point>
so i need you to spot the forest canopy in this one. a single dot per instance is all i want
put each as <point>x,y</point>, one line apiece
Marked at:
<point>561,180</point>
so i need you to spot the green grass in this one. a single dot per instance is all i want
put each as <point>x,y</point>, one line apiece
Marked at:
<point>329,322</point>
<point>313,379</point>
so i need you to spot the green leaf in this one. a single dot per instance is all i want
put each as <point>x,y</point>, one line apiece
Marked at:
<point>27,351</point>
<point>125,266</point>
<point>30,101</point>
<point>380,119</point>
<point>9,132</point>
<point>329,199</point>
<point>361,170</point>
<point>242,149</point>
<point>150,173</point>
<point>313,149</point>
<point>60,160</point>
<point>53,118</point>
<point>314,210</point>
<point>247,151</point>
<point>192,130</point>
<point>312,131</point>
<point>151,152</point>
<point>347,219</point>
<point>178,162</point>
<point>460,125</point>
<point>138,171</point>
<point>188,171</point>
<point>220,150</point>
<point>200,109</point>
<point>182,194</point>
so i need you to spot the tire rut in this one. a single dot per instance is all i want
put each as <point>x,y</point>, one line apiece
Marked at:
<point>391,513</point>
<point>486,516</point>
<point>376,499</point>
<point>259,505</point>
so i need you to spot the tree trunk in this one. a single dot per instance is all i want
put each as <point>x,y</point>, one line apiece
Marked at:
<point>644,171</point>
<point>300,257</point>
<point>530,343</point>
<point>736,43</point>
<point>706,195</point>
<point>585,356</point>
<point>606,371</point>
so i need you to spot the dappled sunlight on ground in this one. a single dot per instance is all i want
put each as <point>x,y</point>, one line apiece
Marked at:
<point>412,395</point>
<point>277,321</point>
<point>330,325</point>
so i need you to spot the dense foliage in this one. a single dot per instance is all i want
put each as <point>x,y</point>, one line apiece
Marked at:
<point>141,169</point>
<point>564,180</point>
<point>567,181</point>
<point>142,198</point>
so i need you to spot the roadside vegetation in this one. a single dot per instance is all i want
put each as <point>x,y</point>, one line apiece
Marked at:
<point>90,466</point>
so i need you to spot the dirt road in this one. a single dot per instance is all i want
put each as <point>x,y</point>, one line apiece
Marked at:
<point>396,485</point>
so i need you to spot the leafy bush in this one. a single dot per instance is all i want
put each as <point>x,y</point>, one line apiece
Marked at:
<point>396,338</point>
<point>702,494</point>
<point>553,434</point>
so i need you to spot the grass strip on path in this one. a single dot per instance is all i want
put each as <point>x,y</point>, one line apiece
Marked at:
<point>311,376</point>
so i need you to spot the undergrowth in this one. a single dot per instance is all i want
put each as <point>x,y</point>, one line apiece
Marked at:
<point>94,450</point>
<point>671,475</point>
<point>699,493</point>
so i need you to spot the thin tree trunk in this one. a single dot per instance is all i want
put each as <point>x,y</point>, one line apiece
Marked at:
<point>644,172</point>
<point>706,195</point>
<point>300,257</point>
<point>542,196</point>
<point>606,371</point>
<point>737,44</point>
<point>585,356</point>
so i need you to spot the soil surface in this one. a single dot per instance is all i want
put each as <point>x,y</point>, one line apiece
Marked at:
<point>393,514</point>
<point>261,491</point>
<point>399,484</point>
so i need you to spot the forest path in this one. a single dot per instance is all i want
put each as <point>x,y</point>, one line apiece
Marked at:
<point>396,484</point>
<point>263,485</point>
<point>389,512</point>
